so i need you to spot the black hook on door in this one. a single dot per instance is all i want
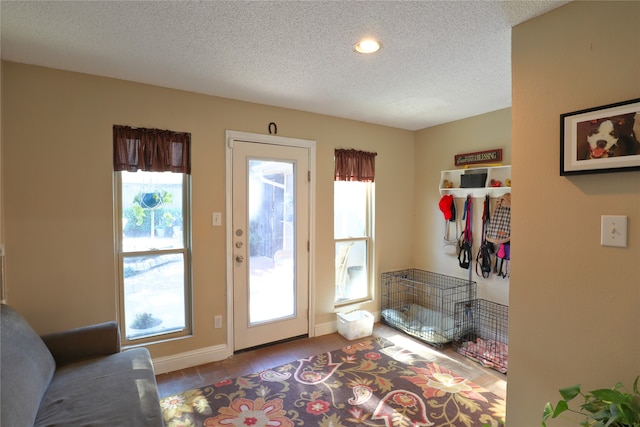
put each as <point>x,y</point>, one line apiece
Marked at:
<point>273,126</point>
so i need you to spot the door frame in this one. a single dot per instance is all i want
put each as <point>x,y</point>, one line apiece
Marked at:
<point>230,137</point>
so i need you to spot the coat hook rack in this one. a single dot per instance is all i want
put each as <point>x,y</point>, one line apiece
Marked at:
<point>273,129</point>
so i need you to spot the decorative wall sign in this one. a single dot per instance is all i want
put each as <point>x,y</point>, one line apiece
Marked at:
<point>489,156</point>
<point>601,139</point>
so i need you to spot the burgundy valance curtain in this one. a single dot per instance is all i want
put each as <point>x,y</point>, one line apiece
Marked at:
<point>151,150</point>
<point>354,165</point>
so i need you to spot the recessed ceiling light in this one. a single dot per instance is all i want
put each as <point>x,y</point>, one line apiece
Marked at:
<point>367,46</point>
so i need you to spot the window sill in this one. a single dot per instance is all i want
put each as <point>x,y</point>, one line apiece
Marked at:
<point>339,306</point>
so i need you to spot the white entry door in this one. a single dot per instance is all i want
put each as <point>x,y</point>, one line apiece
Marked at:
<point>270,238</point>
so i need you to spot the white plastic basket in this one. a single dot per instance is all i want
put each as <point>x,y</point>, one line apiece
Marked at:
<point>355,324</point>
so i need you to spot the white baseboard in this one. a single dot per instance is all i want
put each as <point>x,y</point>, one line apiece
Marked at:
<point>325,328</point>
<point>176,362</point>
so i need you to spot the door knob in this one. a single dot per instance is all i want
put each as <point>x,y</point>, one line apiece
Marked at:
<point>239,258</point>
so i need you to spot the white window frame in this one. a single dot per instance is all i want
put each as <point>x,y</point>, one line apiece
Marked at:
<point>185,251</point>
<point>370,241</point>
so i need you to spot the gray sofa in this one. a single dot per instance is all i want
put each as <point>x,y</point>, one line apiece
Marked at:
<point>73,378</point>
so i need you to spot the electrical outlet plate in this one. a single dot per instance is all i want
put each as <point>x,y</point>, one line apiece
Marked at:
<point>613,231</point>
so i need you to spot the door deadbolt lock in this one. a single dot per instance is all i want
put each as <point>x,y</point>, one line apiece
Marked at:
<point>239,258</point>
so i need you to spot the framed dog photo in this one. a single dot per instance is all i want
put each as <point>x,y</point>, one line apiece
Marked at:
<point>601,139</point>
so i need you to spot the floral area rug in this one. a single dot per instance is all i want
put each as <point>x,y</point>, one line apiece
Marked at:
<point>372,383</point>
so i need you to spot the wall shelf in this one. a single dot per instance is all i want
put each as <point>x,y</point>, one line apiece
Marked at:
<point>499,173</point>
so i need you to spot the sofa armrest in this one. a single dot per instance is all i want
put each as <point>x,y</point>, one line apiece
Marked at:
<point>83,343</point>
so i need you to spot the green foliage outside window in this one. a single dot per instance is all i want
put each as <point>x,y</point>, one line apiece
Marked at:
<point>138,218</point>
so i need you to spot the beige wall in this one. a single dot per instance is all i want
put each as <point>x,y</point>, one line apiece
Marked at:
<point>435,150</point>
<point>59,203</point>
<point>574,314</point>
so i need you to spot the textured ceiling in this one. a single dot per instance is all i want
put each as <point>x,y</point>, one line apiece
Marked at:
<point>441,60</point>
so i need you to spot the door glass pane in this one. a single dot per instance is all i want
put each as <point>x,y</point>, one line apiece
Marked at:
<point>271,241</point>
<point>351,270</point>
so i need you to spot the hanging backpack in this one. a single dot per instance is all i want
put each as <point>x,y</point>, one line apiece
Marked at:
<point>499,228</point>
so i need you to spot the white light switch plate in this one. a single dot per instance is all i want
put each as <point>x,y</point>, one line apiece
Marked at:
<point>216,219</point>
<point>614,231</point>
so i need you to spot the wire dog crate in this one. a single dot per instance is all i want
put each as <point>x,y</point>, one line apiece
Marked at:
<point>422,303</point>
<point>482,333</point>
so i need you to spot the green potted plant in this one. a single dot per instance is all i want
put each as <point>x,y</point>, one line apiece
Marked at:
<point>165,227</point>
<point>152,202</point>
<point>168,219</point>
<point>614,407</point>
